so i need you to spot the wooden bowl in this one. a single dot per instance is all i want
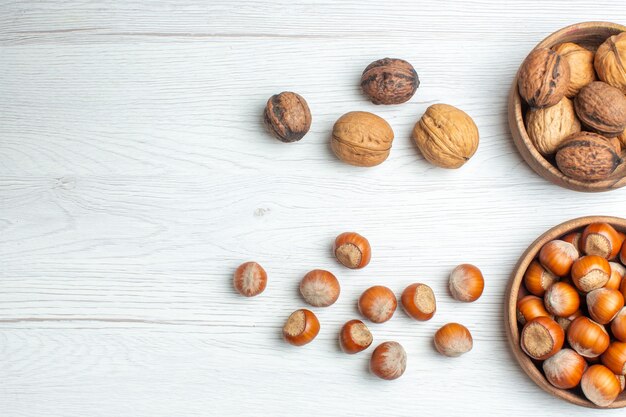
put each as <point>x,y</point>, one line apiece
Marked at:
<point>529,366</point>
<point>589,35</point>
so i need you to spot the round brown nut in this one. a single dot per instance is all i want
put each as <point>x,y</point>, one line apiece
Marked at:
<point>602,108</point>
<point>389,81</point>
<point>587,156</point>
<point>543,78</point>
<point>446,136</point>
<point>287,116</point>
<point>547,127</point>
<point>580,62</point>
<point>610,61</point>
<point>361,138</point>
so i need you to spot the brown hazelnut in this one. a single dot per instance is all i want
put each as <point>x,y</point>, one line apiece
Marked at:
<point>355,337</point>
<point>610,61</point>
<point>543,78</point>
<point>250,279</point>
<point>320,288</point>
<point>388,360</point>
<point>446,136</point>
<point>587,157</point>
<point>362,139</point>
<point>352,250</point>
<point>602,108</point>
<point>287,116</point>
<point>547,127</point>
<point>389,81</point>
<point>580,62</point>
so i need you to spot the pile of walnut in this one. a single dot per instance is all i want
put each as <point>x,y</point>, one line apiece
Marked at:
<point>320,288</point>
<point>574,318</point>
<point>574,118</point>
<point>446,136</point>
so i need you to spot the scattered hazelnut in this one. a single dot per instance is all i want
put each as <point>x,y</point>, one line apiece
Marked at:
<point>590,272</point>
<point>562,299</point>
<point>542,337</point>
<point>418,300</point>
<point>301,327</point>
<point>355,337</point>
<point>378,304</point>
<point>618,325</point>
<point>565,369</point>
<point>466,283</point>
<point>362,139</point>
<point>602,108</point>
<point>352,250</point>
<point>610,61</point>
<point>388,360</point>
<point>453,339</point>
<point>618,272</point>
<point>587,337</point>
<point>446,136</point>
<point>587,156</point>
<point>537,279</point>
<point>547,127</point>
<point>319,288</point>
<point>530,307</point>
<point>287,116</point>
<point>604,304</point>
<point>580,61</point>
<point>600,385</point>
<point>558,257</point>
<point>543,78</point>
<point>389,81</point>
<point>614,358</point>
<point>601,239</point>
<point>250,279</point>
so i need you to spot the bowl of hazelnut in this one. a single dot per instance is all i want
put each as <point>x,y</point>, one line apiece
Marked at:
<point>565,314</point>
<point>567,107</point>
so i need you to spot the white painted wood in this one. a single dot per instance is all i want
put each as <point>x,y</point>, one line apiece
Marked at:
<point>135,176</point>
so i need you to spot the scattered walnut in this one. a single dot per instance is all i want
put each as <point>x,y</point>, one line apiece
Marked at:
<point>547,127</point>
<point>287,116</point>
<point>361,138</point>
<point>602,108</point>
<point>587,156</point>
<point>580,61</point>
<point>389,81</point>
<point>610,61</point>
<point>543,78</point>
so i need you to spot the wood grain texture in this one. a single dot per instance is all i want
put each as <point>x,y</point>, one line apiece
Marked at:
<point>135,176</point>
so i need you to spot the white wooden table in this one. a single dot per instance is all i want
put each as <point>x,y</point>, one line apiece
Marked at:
<point>135,175</point>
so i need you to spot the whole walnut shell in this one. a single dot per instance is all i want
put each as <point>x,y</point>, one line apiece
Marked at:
<point>610,61</point>
<point>580,61</point>
<point>548,127</point>
<point>543,78</point>
<point>361,138</point>
<point>601,108</point>
<point>287,116</point>
<point>389,81</point>
<point>446,136</point>
<point>587,156</point>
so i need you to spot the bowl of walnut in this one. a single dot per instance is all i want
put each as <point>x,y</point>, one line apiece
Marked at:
<point>567,107</point>
<point>565,315</point>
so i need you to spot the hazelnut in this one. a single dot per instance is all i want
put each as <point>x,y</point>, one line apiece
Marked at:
<point>530,307</point>
<point>541,338</point>
<point>610,61</point>
<point>587,337</point>
<point>558,257</point>
<point>301,327</point>
<point>602,108</point>
<point>565,369</point>
<point>319,288</point>
<point>543,78</point>
<point>565,322</point>
<point>352,250</point>
<point>614,358</point>
<point>362,139</point>
<point>418,300</point>
<point>601,239</point>
<point>574,239</point>
<point>547,127</point>
<point>389,81</point>
<point>590,272</point>
<point>587,156</point>
<point>538,279</point>
<point>388,360</point>
<point>250,279</point>
<point>618,325</point>
<point>580,61</point>
<point>618,272</point>
<point>453,339</point>
<point>355,337</point>
<point>466,283</point>
<point>604,304</point>
<point>446,136</point>
<point>600,385</point>
<point>287,116</point>
<point>561,299</point>
<point>378,304</point>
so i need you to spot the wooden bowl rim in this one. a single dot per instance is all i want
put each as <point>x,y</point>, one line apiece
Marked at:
<point>522,141</point>
<point>513,287</point>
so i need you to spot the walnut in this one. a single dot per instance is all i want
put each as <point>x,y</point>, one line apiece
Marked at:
<point>548,127</point>
<point>587,156</point>
<point>446,136</point>
<point>543,78</point>
<point>287,116</point>
<point>610,61</point>
<point>361,138</point>
<point>601,108</point>
<point>580,61</point>
<point>389,81</point>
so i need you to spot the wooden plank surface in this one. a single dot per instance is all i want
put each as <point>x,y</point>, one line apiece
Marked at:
<point>135,175</point>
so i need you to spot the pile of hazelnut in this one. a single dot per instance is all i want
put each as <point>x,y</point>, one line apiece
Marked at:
<point>573,317</point>
<point>321,288</point>
<point>577,99</point>
<point>446,136</point>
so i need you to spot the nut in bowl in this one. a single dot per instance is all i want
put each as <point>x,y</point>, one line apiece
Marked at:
<point>586,341</point>
<point>558,91</point>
